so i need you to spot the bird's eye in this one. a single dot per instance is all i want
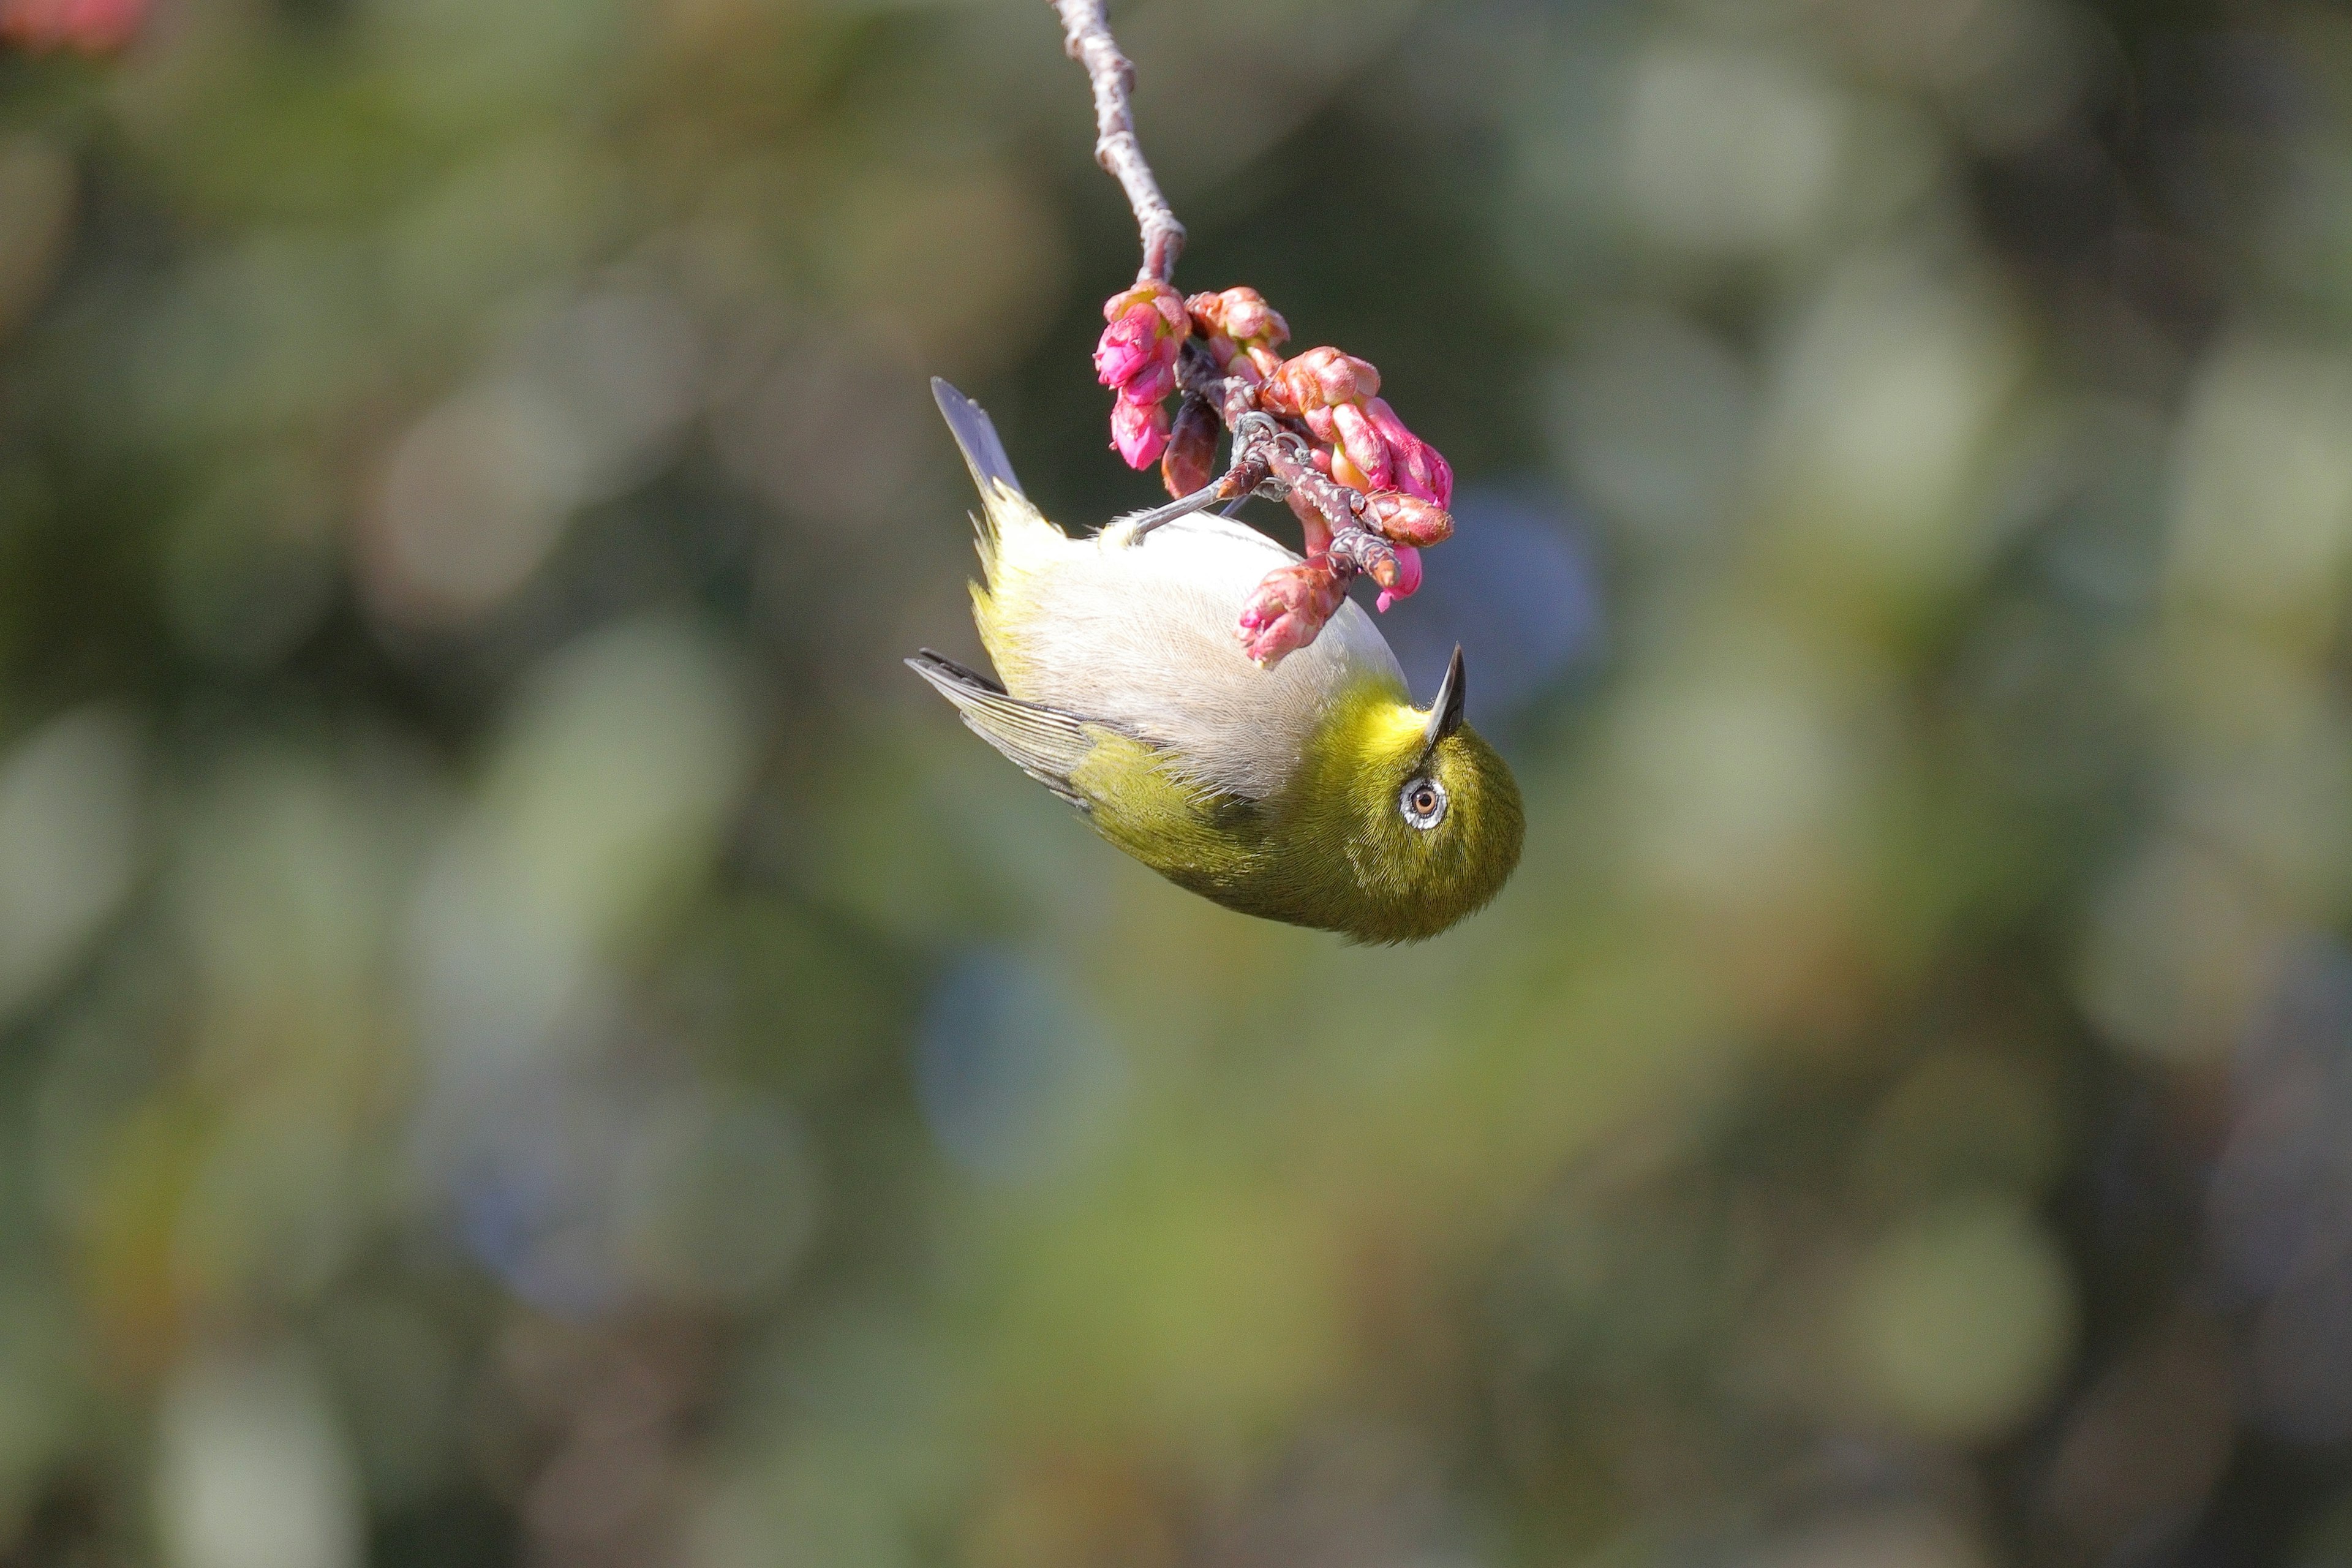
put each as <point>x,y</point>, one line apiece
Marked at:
<point>1422,803</point>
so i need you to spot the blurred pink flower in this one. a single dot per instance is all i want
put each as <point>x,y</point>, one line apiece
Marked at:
<point>97,26</point>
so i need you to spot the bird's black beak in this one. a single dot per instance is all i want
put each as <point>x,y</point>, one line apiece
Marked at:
<point>1445,713</point>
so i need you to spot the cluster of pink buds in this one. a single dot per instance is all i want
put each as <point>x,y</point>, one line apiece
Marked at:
<point>1136,356</point>
<point>1241,331</point>
<point>95,27</point>
<point>1367,446</point>
<point>1402,485</point>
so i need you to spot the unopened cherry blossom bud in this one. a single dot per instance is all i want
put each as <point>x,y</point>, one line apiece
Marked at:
<point>1191,460</point>
<point>1151,383</point>
<point>1362,445</point>
<point>1148,327</point>
<point>1138,431</point>
<point>1348,474</point>
<point>1402,578</point>
<point>1241,331</point>
<point>1288,608</point>
<point>1416,467</point>
<point>1403,519</point>
<point>1241,314</point>
<point>1320,378</point>
<point>1127,345</point>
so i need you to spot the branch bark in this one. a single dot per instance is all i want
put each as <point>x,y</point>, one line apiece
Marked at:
<point>1087,38</point>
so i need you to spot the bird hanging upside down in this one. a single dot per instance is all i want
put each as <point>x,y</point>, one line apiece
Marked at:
<point>1314,792</point>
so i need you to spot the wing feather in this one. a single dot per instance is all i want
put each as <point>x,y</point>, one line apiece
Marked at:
<point>1045,743</point>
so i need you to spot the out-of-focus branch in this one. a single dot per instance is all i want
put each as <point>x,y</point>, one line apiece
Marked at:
<point>1087,38</point>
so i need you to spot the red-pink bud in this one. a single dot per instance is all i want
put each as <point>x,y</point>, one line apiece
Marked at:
<point>1148,329</point>
<point>1154,295</point>
<point>1150,383</point>
<point>1362,444</point>
<point>1401,583</point>
<point>1320,378</point>
<point>1403,519</point>
<point>1238,319</point>
<point>1189,462</point>
<point>1126,347</point>
<point>1288,608</point>
<point>1345,472</point>
<point>1138,431</point>
<point>1418,468</point>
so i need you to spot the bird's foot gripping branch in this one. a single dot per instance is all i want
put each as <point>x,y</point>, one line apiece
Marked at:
<point>1312,430</point>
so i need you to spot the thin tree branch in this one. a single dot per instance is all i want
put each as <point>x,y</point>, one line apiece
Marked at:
<point>1086,39</point>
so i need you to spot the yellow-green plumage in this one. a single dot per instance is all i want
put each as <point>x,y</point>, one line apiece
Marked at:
<point>1278,792</point>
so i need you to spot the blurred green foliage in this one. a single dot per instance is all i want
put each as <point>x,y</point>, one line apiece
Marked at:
<point>529,1039</point>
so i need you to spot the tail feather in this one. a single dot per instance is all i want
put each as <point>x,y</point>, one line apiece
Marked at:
<point>975,437</point>
<point>1006,510</point>
<point>1045,743</point>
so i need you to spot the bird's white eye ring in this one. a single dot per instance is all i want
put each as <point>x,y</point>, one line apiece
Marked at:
<point>1422,803</point>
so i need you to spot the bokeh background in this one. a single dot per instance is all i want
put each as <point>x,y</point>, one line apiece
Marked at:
<point>527,1037</point>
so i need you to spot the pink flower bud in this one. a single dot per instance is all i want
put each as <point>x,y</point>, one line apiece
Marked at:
<point>1348,474</point>
<point>1320,378</point>
<point>1138,431</point>
<point>1422,470</point>
<point>1288,608</point>
<point>1127,346</point>
<point>1152,295</point>
<point>1148,327</point>
<point>1242,317</point>
<point>1362,444</point>
<point>1418,468</point>
<point>1191,459</point>
<point>1401,580</point>
<point>1403,519</point>
<point>1150,383</point>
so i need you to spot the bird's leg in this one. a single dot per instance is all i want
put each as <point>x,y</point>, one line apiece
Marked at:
<point>1345,535</point>
<point>1247,476</point>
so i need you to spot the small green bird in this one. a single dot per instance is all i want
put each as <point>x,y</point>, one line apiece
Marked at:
<point>1314,792</point>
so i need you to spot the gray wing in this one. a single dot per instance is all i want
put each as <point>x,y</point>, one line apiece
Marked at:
<point>1045,743</point>
<point>976,437</point>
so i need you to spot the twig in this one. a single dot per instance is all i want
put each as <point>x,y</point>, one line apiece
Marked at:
<point>1086,39</point>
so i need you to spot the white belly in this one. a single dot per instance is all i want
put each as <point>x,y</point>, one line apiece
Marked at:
<point>1142,635</point>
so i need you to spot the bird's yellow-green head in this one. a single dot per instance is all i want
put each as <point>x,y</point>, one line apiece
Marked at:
<point>1409,820</point>
<point>1397,824</point>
